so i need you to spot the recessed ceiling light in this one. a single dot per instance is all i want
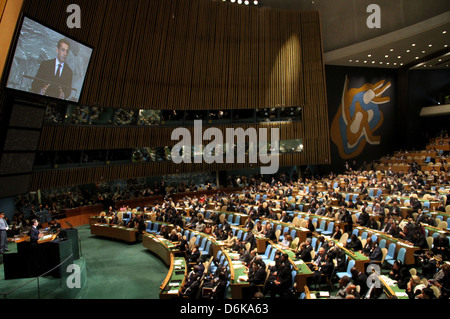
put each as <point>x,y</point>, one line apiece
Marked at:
<point>444,32</point>
<point>445,45</point>
<point>350,60</point>
<point>369,55</point>
<point>395,63</point>
<point>413,44</point>
<point>399,57</point>
<point>408,50</point>
<point>417,57</point>
<point>381,62</point>
<point>386,56</point>
<point>391,50</point>
<point>401,63</point>
<point>357,61</point>
<point>423,51</point>
<point>365,61</point>
<point>387,63</point>
<point>373,62</point>
<point>430,45</point>
<point>440,60</point>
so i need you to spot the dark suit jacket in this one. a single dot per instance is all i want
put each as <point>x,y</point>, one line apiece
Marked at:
<point>305,254</point>
<point>284,276</point>
<point>271,234</point>
<point>376,255</point>
<point>34,235</point>
<point>46,74</point>
<point>258,277</point>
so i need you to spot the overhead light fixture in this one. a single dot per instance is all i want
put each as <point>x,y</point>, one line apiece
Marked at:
<point>365,61</point>
<point>386,56</point>
<point>430,45</point>
<point>399,57</point>
<point>408,50</point>
<point>413,44</point>
<point>387,63</point>
<point>381,62</point>
<point>423,51</point>
<point>357,61</point>
<point>369,55</point>
<point>246,2</point>
<point>417,57</point>
<point>373,62</point>
<point>444,32</point>
<point>391,50</point>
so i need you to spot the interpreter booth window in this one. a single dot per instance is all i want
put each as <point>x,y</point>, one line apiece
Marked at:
<point>172,117</point>
<point>55,114</point>
<point>243,116</point>
<point>67,159</point>
<point>44,160</point>
<point>149,117</point>
<point>94,157</point>
<point>125,117</point>
<point>141,155</point>
<point>117,156</point>
<point>219,116</point>
<point>267,115</point>
<point>293,113</point>
<point>291,146</point>
<point>191,116</point>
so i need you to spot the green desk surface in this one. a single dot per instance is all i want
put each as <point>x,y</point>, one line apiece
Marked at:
<point>170,245</point>
<point>176,278</point>
<point>400,293</point>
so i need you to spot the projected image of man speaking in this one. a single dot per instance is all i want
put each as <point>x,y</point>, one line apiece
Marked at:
<point>54,77</point>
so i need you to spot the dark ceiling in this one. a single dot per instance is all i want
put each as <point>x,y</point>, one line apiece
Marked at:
<point>410,29</point>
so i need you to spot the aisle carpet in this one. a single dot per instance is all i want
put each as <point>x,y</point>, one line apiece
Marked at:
<point>118,270</point>
<point>115,270</point>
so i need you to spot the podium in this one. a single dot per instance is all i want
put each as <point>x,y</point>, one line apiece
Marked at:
<point>32,260</point>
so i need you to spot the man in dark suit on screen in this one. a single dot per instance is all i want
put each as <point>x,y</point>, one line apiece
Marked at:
<point>54,77</point>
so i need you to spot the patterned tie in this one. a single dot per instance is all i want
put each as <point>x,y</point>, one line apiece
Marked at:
<point>58,70</point>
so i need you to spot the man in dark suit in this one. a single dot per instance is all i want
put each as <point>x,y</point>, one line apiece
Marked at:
<point>304,252</point>
<point>359,279</point>
<point>54,77</point>
<point>250,238</point>
<point>35,234</point>
<point>376,253</point>
<point>364,218</point>
<point>395,210</point>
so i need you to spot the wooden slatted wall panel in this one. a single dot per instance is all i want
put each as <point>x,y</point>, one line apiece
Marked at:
<point>191,55</point>
<point>86,175</point>
<point>188,54</point>
<point>60,137</point>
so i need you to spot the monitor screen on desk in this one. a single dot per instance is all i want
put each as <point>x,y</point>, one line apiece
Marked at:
<point>48,63</point>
